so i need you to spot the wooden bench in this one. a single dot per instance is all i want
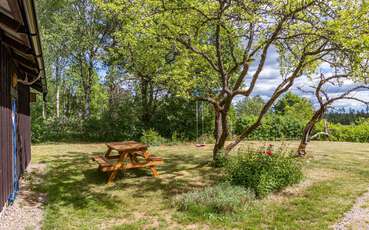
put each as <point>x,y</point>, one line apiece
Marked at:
<point>131,155</point>
<point>104,164</point>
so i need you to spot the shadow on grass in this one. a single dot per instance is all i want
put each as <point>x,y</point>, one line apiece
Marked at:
<point>180,173</point>
<point>72,179</point>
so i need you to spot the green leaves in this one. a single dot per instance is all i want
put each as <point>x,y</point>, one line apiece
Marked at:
<point>214,38</point>
<point>261,172</point>
<point>293,105</point>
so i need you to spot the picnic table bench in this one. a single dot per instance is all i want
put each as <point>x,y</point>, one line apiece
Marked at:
<point>131,155</point>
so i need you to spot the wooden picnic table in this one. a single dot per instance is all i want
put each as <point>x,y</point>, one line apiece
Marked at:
<point>131,155</point>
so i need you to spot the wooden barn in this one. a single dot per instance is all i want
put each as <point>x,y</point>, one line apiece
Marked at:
<point>21,71</point>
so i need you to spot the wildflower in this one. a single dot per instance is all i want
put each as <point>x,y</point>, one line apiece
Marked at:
<point>269,151</point>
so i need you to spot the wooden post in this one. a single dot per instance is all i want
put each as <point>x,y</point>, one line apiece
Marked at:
<point>118,166</point>
<point>154,171</point>
<point>107,154</point>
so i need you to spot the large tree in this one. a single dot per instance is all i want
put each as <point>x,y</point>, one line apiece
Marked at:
<point>90,33</point>
<point>141,53</point>
<point>350,65</point>
<point>55,36</point>
<point>224,46</point>
<point>326,100</point>
<point>74,35</point>
<point>230,37</point>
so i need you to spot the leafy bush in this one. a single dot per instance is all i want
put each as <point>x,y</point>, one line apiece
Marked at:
<point>38,131</point>
<point>151,137</point>
<point>357,132</point>
<point>174,119</point>
<point>353,133</point>
<point>55,129</point>
<point>274,127</point>
<point>263,173</point>
<point>219,199</point>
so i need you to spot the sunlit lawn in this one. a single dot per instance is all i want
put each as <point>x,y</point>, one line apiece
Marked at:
<point>78,197</point>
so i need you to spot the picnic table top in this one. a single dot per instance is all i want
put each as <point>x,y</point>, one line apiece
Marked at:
<point>127,146</point>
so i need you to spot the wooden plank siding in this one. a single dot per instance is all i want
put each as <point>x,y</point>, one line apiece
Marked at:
<point>5,129</point>
<point>23,127</point>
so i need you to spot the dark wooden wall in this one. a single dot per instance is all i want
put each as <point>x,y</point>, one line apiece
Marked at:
<point>23,127</point>
<point>5,129</point>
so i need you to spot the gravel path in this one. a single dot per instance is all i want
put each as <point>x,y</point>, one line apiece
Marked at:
<point>357,217</point>
<point>26,212</point>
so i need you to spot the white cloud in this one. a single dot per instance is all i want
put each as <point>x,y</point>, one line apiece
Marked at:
<point>270,78</point>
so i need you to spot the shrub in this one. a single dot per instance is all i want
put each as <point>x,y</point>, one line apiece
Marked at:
<point>151,137</point>
<point>54,129</point>
<point>219,199</point>
<point>38,131</point>
<point>274,127</point>
<point>357,132</point>
<point>261,172</point>
<point>353,133</point>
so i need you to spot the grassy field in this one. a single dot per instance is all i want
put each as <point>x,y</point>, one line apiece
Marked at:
<point>78,197</point>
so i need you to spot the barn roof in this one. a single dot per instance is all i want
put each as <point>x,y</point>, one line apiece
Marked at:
<point>19,31</point>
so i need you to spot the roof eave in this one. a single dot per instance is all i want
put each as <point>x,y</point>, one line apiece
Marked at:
<point>34,36</point>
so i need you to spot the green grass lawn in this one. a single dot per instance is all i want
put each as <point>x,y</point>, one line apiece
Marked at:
<point>78,197</point>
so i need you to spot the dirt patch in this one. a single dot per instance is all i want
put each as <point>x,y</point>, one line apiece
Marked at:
<point>357,217</point>
<point>27,211</point>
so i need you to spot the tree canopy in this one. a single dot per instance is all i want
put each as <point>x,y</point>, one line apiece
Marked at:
<point>293,105</point>
<point>142,56</point>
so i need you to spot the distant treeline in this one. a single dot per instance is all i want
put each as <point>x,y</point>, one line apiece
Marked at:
<point>178,120</point>
<point>346,117</point>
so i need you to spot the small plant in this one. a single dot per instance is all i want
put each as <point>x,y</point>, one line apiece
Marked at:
<point>151,137</point>
<point>267,150</point>
<point>219,199</point>
<point>263,171</point>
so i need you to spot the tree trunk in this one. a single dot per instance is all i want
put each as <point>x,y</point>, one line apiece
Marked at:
<point>57,101</point>
<point>88,88</point>
<point>301,151</point>
<point>254,126</point>
<point>67,104</point>
<point>57,84</point>
<point>146,101</point>
<point>221,132</point>
<point>87,101</point>
<point>44,110</point>
<point>264,111</point>
<point>244,134</point>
